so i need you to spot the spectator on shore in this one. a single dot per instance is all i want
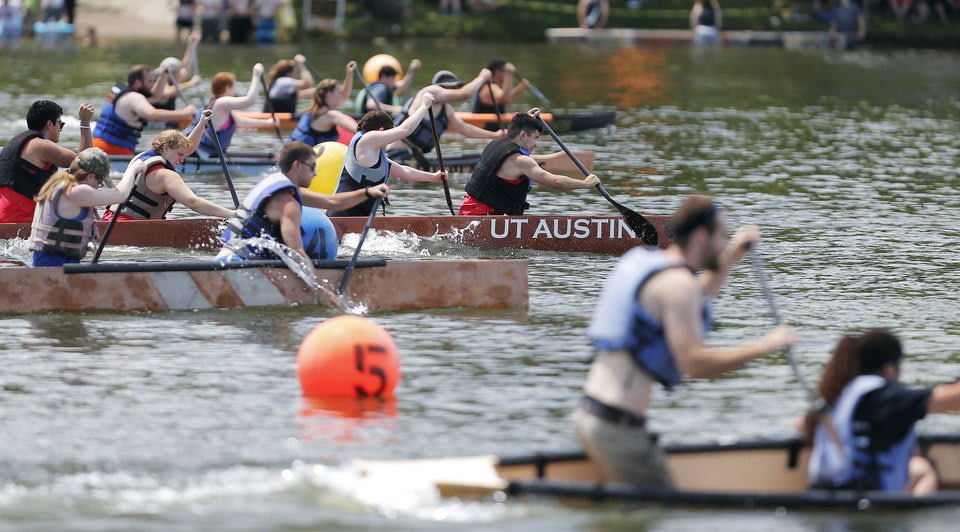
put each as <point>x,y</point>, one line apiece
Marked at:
<point>186,9</point>
<point>900,8</point>
<point>939,6</point>
<point>212,11</point>
<point>452,6</point>
<point>266,11</point>
<point>705,22</point>
<point>847,21</point>
<point>240,21</point>
<point>52,9</point>
<point>593,14</point>
<point>12,22</point>
<point>90,40</point>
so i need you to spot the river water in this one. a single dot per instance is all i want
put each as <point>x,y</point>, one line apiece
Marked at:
<point>194,420</point>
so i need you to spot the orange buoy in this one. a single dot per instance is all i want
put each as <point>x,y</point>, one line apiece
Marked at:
<point>348,356</point>
<point>371,69</point>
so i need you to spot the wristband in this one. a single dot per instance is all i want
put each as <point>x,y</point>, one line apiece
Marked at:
<point>84,127</point>
<point>366,190</point>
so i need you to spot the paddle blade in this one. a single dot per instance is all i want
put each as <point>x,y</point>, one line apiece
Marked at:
<point>640,225</point>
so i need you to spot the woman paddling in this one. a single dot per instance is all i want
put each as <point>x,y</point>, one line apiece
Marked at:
<point>63,220</point>
<point>160,186</point>
<point>868,442</point>
<point>224,103</point>
<point>283,89</point>
<point>319,123</point>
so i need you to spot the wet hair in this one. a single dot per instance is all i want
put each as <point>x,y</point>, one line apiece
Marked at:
<point>695,212</point>
<point>136,74</point>
<point>324,88</point>
<point>293,151</point>
<point>42,111</point>
<point>496,65</point>
<point>284,67</point>
<point>523,122</point>
<point>375,120</point>
<point>171,138</point>
<point>387,71</point>
<point>221,82</point>
<point>67,177</point>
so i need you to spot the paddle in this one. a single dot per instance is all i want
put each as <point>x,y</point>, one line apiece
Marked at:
<point>414,149</point>
<point>436,142</point>
<point>640,225</point>
<point>223,163</point>
<point>815,400</point>
<point>109,229</point>
<point>273,115</point>
<point>356,253</point>
<point>313,71</point>
<point>536,92</point>
<point>496,108</point>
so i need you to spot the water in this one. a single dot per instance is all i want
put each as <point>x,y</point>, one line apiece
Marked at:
<point>194,420</point>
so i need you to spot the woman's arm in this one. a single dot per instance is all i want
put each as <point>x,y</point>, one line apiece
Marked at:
<point>373,141</point>
<point>469,130</point>
<point>226,104</point>
<point>173,184</point>
<point>196,134</point>
<point>412,174</point>
<point>87,196</point>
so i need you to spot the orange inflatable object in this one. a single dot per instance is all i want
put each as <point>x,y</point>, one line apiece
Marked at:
<point>348,356</point>
<point>371,69</point>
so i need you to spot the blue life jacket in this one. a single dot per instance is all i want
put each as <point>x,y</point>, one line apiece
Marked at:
<point>113,129</point>
<point>225,134</point>
<point>856,463</point>
<point>620,322</point>
<point>250,221</point>
<point>306,134</point>
<point>354,176</point>
<point>478,106</point>
<point>422,136</point>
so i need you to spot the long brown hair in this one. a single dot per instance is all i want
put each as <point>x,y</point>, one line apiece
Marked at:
<point>69,178</point>
<point>324,88</point>
<point>284,67</point>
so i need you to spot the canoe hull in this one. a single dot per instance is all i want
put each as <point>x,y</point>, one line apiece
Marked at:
<point>411,285</point>
<point>606,234</point>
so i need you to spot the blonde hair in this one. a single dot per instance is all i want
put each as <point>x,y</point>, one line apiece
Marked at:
<point>170,138</point>
<point>324,88</point>
<point>67,178</point>
<point>221,82</point>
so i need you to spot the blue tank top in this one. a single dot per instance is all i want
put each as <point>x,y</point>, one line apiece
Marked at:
<point>306,134</point>
<point>113,129</point>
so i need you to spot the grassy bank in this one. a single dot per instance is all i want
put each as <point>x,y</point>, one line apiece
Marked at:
<point>527,20</point>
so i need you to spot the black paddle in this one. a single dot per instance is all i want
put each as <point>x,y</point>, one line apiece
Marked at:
<point>443,179</point>
<point>640,225</point>
<point>113,221</point>
<point>496,108</point>
<point>273,115</point>
<point>210,134</point>
<point>313,72</point>
<point>223,163</point>
<point>536,92</point>
<point>356,253</point>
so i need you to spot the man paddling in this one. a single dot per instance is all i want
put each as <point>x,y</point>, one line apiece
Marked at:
<point>127,112</point>
<point>501,86</point>
<point>386,89</point>
<point>648,327</point>
<point>506,172</point>
<point>445,89</point>
<point>273,207</point>
<point>31,157</point>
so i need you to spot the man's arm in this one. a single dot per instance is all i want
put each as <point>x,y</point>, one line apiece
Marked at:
<point>463,93</point>
<point>341,200</point>
<point>143,109</point>
<point>519,165</point>
<point>469,130</point>
<point>744,238</point>
<point>407,80</point>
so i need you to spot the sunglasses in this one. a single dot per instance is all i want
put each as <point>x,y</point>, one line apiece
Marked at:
<point>61,123</point>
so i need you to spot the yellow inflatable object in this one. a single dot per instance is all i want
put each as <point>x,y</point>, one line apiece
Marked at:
<point>329,163</point>
<point>371,69</point>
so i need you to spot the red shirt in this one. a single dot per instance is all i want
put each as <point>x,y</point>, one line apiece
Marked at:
<point>15,207</point>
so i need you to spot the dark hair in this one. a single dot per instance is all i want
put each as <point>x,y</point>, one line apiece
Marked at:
<point>40,112</point>
<point>857,355</point>
<point>523,122</point>
<point>695,212</point>
<point>386,70</point>
<point>293,151</point>
<point>374,120</point>
<point>136,74</point>
<point>496,64</point>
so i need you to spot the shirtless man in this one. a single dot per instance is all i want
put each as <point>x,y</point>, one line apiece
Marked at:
<point>648,327</point>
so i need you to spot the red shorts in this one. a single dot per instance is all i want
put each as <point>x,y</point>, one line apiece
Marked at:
<point>474,207</point>
<point>15,207</point>
<point>110,148</point>
<point>108,215</point>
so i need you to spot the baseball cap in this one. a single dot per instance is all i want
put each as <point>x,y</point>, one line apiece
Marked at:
<point>95,161</point>
<point>446,79</point>
<point>173,63</point>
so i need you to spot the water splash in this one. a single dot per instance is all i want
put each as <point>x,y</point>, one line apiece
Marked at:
<point>15,252</point>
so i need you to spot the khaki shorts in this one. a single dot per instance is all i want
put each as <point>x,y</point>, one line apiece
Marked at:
<point>623,453</point>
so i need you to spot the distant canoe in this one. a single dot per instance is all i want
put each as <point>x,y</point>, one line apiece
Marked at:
<point>745,475</point>
<point>560,122</point>
<point>606,234</point>
<point>288,121</point>
<point>208,284</point>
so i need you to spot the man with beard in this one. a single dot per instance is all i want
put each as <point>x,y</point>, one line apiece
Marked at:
<point>127,111</point>
<point>648,327</point>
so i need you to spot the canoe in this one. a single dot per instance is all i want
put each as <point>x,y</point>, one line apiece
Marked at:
<point>288,122</point>
<point>606,234</point>
<point>142,286</point>
<point>255,163</point>
<point>560,122</point>
<point>753,474</point>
